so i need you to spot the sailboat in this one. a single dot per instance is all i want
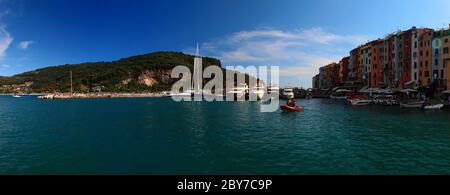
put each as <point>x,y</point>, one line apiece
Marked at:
<point>196,82</point>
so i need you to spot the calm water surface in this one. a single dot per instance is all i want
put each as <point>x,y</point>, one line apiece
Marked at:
<point>159,136</point>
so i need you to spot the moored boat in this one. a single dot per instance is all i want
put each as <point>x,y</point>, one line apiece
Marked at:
<point>287,93</point>
<point>361,102</point>
<point>258,92</point>
<point>412,104</point>
<point>434,107</point>
<point>238,93</point>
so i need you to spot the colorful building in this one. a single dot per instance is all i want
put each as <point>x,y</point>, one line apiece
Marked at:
<point>388,69</point>
<point>425,57</point>
<point>404,58</point>
<point>376,79</point>
<point>444,57</point>
<point>315,82</point>
<point>417,57</point>
<point>344,69</point>
<point>365,62</point>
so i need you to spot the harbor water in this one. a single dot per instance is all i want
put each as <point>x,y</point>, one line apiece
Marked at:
<point>159,136</point>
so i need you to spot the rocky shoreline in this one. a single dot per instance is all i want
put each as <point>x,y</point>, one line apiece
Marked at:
<point>100,95</point>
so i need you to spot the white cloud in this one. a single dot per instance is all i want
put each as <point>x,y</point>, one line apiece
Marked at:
<point>5,40</point>
<point>25,44</point>
<point>299,53</point>
<point>5,66</point>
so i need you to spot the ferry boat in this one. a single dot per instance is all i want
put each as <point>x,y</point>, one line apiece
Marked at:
<point>287,93</point>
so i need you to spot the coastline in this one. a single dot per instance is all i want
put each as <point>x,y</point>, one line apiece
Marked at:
<point>99,95</point>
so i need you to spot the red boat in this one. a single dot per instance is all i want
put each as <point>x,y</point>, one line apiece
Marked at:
<point>292,109</point>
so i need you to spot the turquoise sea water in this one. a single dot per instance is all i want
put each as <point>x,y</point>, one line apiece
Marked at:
<point>159,136</point>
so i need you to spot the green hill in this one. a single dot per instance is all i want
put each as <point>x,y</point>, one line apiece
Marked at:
<point>142,73</point>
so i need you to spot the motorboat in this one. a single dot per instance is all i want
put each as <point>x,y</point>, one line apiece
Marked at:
<point>239,92</point>
<point>287,93</point>
<point>16,96</point>
<point>412,104</point>
<point>184,94</point>
<point>258,91</point>
<point>361,102</point>
<point>433,107</point>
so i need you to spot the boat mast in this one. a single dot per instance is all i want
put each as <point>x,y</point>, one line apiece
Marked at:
<point>196,83</point>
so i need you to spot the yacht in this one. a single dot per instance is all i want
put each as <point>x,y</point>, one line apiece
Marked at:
<point>259,91</point>
<point>196,81</point>
<point>184,94</point>
<point>287,93</point>
<point>238,92</point>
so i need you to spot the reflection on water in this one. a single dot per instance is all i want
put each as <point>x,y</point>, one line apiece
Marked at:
<point>159,136</point>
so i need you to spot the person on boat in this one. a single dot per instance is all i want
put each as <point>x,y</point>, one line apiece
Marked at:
<point>291,102</point>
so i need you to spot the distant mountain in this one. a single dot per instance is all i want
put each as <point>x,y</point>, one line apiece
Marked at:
<point>142,73</point>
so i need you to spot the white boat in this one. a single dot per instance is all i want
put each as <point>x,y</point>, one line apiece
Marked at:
<point>16,96</point>
<point>434,107</point>
<point>238,92</point>
<point>340,94</point>
<point>361,102</point>
<point>185,94</point>
<point>287,93</point>
<point>414,104</point>
<point>259,91</point>
<point>47,97</point>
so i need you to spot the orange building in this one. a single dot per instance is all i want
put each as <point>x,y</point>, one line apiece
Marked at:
<point>377,62</point>
<point>425,57</point>
<point>356,64</point>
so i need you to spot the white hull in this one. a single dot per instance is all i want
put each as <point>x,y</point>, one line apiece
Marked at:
<point>258,94</point>
<point>434,107</point>
<point>361,102</point>
<point>237,94</point>
<point>412,105</point>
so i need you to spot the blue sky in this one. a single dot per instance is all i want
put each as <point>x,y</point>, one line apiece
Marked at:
<point>297,35</point>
